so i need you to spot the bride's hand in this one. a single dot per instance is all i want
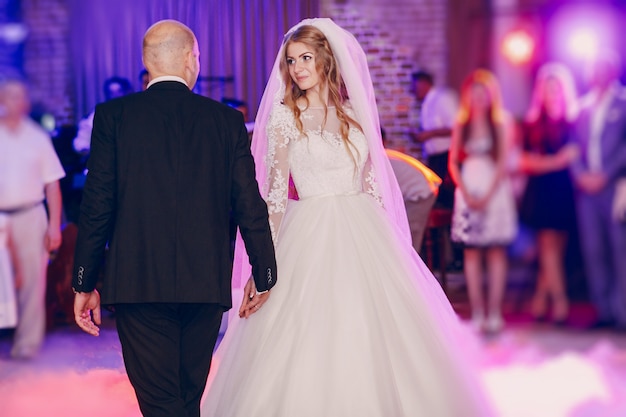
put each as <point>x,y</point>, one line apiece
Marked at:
<point>252,301</point>
<point>248,293</point>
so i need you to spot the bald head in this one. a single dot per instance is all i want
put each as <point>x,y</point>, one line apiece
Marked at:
<point>170,48</point>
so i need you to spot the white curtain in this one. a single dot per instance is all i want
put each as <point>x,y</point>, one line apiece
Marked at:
<point>238,41</point>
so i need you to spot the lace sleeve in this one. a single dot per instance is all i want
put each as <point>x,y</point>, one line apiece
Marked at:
<point>370,183</point>
<point>280,130</point>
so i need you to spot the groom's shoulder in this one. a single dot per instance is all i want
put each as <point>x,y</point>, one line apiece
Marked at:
<point>215,107</point>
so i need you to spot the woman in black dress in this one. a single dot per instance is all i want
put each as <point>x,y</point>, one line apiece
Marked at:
<point>548,202</point>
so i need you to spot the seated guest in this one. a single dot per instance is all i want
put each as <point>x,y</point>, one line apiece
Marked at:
<point>419,186</point>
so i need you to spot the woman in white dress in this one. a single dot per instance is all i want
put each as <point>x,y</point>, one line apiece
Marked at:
<point>484,217</point>
<point>358,326</point>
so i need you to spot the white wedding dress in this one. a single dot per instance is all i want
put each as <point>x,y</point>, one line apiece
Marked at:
<point>356,324</point>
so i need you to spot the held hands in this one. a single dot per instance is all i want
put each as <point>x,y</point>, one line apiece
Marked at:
<point>87,311</point>
<point>477,202</point>
<point>252,300</point>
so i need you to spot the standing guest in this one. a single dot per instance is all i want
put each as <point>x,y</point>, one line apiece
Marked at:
<point>484,218</point>
<point>114,87</point>
<point>166,170</point>
<point>358,325</point>
<point>600,132</point>
<point>29,175</point>
<point>144,79</point>
<point>548,201</point>
<point>439,106</point>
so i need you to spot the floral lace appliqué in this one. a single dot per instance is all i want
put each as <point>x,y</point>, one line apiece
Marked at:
<point>280,129</point>
<point>372,187</point>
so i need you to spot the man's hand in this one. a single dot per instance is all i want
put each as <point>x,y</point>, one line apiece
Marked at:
<point>619,201</point>
<point>591,182</point>
<point>53,239</point>
<point>568,154</point>
<point>87,311</point>
<point>252,301</point>
<point>419,136</point>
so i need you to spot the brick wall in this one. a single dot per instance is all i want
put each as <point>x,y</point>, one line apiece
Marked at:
<point>11,42</point>
<point>46,57</point>
<point>398,39</point>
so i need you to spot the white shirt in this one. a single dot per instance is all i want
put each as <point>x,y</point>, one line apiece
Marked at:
<point>28,162</point>
<point>438,111</point>
<point>167,78</point>
<point>596,124</point>
<point>82,141</point>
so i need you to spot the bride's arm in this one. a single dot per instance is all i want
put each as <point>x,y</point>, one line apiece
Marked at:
<point>370,183</point>
<point>280,130</point>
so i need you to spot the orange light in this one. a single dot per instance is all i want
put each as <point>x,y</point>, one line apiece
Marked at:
<point>518,47</point>
<point>433,179</point>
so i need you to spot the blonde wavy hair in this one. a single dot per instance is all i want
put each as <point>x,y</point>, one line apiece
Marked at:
<point>329,75</point>
<point>496,113</point>
<point>562,75</point>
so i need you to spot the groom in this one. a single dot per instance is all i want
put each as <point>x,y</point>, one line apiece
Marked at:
<point>167,169</point>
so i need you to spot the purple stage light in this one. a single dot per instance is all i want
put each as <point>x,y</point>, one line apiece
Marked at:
<point>576,33</point>
<point>583,44</point>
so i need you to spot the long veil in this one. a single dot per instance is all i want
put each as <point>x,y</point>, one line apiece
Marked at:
<point>352,63</point>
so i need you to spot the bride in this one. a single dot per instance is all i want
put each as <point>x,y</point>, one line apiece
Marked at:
<point>357,326</point>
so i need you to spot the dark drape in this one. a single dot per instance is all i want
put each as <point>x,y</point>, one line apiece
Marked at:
<point>238,39</point>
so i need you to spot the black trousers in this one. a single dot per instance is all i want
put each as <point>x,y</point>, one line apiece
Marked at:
<point>439,164</point>
<point>167,351</point>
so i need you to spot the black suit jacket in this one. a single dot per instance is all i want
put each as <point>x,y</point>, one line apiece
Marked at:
<point>167,169</point>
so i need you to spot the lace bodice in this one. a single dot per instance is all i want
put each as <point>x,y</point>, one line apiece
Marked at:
<point>318,161</point>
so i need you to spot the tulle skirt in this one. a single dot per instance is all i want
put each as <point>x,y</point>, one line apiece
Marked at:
<point>356,326</point>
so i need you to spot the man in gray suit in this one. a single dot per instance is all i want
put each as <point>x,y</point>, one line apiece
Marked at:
<point>601,135</point>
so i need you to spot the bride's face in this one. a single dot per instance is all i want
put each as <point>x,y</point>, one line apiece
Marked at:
<point>301,64</point>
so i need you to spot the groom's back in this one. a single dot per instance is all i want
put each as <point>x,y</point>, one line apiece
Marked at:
<point>174,159</point>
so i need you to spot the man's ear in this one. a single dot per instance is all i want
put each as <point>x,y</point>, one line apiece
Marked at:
<point>187,67</point>
<point>190,59</point>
